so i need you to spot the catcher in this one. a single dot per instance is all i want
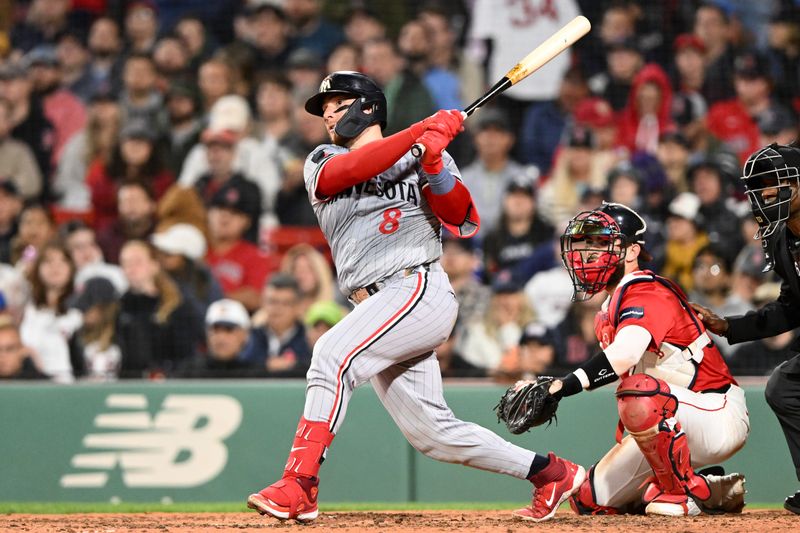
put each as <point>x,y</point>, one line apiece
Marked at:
<point>677,400</point>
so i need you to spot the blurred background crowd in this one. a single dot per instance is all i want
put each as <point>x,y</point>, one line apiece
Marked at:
<point>153,217</point>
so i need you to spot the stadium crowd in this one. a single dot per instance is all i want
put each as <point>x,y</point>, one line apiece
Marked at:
<point>153,216</point>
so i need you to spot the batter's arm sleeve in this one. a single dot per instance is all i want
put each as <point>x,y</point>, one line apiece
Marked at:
<point>453,204</point>
<point>773,319</point>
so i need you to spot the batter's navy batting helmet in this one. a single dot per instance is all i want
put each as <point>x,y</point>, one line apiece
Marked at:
<point>368,109</point>
<point>771,170</point>
<point>594,245</point>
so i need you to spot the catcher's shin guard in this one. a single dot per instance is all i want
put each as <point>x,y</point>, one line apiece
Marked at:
<point>583,502</point>
<point>647,410</point>
<point>294,496</point>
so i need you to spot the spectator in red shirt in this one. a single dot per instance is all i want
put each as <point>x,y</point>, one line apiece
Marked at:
<point>735,122</point>
<point>239,265</point>
<point>648,113</point>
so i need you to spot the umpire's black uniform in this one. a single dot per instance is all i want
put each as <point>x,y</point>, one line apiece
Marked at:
<point>783,387</point>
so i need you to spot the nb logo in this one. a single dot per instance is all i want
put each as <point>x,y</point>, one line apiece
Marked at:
<point>181,445</point>
<point>325,85</point>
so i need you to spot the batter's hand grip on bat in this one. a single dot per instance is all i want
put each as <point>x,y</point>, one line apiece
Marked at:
<point>418,150</point>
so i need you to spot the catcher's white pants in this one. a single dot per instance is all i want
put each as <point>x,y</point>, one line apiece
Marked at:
<point>389,339</point>
<point>716,427</point>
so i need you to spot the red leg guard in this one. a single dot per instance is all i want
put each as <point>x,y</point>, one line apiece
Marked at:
<point>583,502</point>
<point>647,410</point>
<point>308,449</point>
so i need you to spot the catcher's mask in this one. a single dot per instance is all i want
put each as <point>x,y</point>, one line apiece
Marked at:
<point>768,176</point>
<point>369,107</point>
<point>594,245</point>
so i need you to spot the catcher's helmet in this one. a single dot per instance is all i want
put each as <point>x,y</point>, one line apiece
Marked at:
<point>595,243</point>
<point>768,175</point>
<point>368,109</point>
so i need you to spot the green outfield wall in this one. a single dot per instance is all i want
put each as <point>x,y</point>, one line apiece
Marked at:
<point>219,441</point>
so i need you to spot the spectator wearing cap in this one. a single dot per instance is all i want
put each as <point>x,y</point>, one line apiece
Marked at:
<point>64,110</point>
<point>624,60</point>
<point>712,181</point>
<point>227,332</point>
<point>445,54</point>
<point>181,249</point>
<point>543,125</point>
<point>237,263</point>
<point>44,22</point>
<point>96,142</point>
<point>28,120</point>
<point>783,53</point>
<point>711,277</point>
<point>73,57</point>
<point>136,207</point>
<point>141,26</point>
<point>310,29</point>
<point>486,341</point>
<point>156,328</point>
<point>137,157</point>
<point>408,99</point>
<point>689,64</point>
<point>760,357</point>
<point>17,162</point>
<point>736,122</point>
<point>577,168</point>
<point>304,70</point>
<point>493,169</point>
<point>220,150</point>
<point>461,262</point>
<point>105,49</point>
<point>16,361</point>
<point>185,126</point>
<point>278,339</point>
<point>80,241</point>
<point>230,119</point>
<point>713,26</point>
<point>689,112</point>
<point>775,126</point>
<point>520,232</point>
<point>99,357</point>
<point>313,274</point>
<point>140,99</point>
<point>597,114</point>
<point>319,319</point>
<point>648,112</point>
<point>10,209</point>
<point>534,356</point>
<point>684,239</point>
<point>48,325</point>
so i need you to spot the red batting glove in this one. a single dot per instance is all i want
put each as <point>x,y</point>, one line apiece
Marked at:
<point>434,142</point>
<point>451,121</point>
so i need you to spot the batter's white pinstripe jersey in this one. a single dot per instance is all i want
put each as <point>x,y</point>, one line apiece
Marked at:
<point>378,227</point>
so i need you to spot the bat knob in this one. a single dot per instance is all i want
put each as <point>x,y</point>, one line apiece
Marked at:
<point>418,150</point>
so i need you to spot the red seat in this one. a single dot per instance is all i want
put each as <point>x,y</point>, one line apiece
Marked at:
<point>277,241</point>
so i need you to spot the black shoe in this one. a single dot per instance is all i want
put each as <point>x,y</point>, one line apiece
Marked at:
<point>792,503</point>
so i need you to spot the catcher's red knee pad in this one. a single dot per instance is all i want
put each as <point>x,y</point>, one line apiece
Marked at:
<point>308,449</point>
<point>583,502</point>
<point>644,401</point>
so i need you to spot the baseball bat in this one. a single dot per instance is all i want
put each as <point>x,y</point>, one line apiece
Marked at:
<point>540,56</point>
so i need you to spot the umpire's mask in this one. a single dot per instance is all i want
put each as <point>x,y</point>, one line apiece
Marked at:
<point>768,176</point>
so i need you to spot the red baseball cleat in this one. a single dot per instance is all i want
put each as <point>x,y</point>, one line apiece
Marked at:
<point>288,498</point>
<point>548,497</point>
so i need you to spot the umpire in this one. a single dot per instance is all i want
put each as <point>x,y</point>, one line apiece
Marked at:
<point>772,185</point>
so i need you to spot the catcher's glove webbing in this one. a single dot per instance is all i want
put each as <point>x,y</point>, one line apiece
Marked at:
<point>527,404</point>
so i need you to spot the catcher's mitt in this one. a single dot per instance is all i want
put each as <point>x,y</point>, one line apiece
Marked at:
<point>527,404</point>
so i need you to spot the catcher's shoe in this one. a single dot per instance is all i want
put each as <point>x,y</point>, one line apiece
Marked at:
<point>792,503</point>
<point>549,496</point>
<point>288,498</point>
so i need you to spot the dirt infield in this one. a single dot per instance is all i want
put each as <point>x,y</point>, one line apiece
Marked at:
<point>749,522</point>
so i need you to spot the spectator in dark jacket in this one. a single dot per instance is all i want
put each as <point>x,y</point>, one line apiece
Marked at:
<point>15,359</point>
<point>157,327</point>
<point>278,340</point>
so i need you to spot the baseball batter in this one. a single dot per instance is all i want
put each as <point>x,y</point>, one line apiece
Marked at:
<point>677,399</point>
<point>382,211</point>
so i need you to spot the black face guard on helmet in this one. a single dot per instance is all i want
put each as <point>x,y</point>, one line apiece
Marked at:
<point>594,245</point>
<point>768,176</point>
<point>369,107</point>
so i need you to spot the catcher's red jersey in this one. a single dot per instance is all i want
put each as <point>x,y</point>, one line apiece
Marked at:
<point>660,307</point>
